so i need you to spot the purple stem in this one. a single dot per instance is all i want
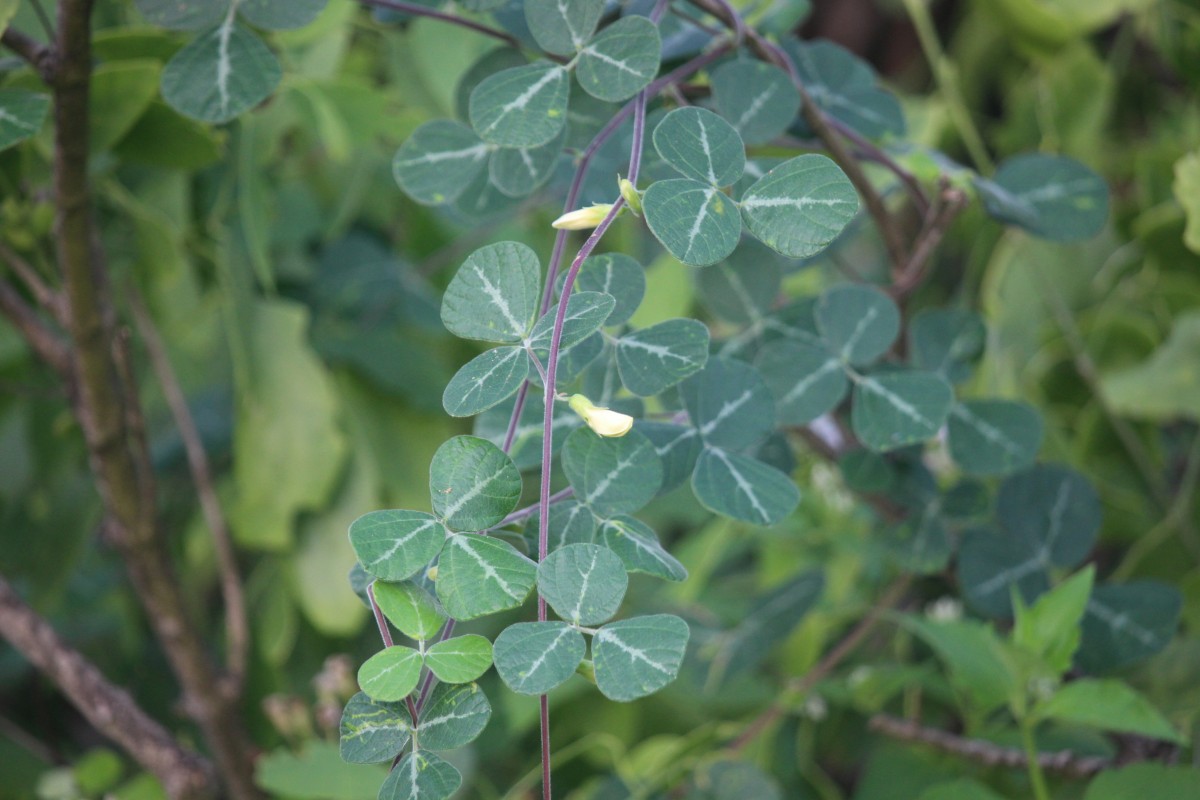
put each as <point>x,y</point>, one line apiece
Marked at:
<point>425,11</point>
<point>529,511</point>
<point>385,632</point>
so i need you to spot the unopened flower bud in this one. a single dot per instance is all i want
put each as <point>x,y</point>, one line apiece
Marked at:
<point>583,219</point>
<point>631,195</point>
<point>603,421</point>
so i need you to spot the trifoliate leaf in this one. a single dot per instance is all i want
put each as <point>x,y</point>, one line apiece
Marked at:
<point>478,575</point>
<point>438,161</point>
<point>612,475</point>
<point>636,657</point>
<point>583,583</point>
<point>393,545</point>
<point>801,206</point>
<point>701,146</point>
<point>521,107</point>
<point>220,74</point>
<point>695,222</point>
<point>896,409</point>
<point>472,483</point>
<point>535,657</point>
<point>743,488</point>
<point>494,296</point>
<point>729,403</point>
<point>654,359</point>
<point>620,60</point>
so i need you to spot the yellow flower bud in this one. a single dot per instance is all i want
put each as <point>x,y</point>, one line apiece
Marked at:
<point>631,195</point>
<point>603,421</point>
<point>582,219</point>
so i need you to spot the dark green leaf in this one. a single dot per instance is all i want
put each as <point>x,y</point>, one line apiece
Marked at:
<point>654,359</point>
<point>994,437</point>
<point>421,776</point>
<point>454,716</point>
<point>220,74</point>
<point>1053,197</point>
<point>695,222</point>
<point>897,409</point>
<point>570,523</point>
<point>806,381</point>
<point>583,583</point>
<point>729,403</point>
<point>677,445</point>
<point>521,107</point>
<point>742,288</point>
<point>639,656</point>
<point>947,341</point>
<point>485,380</point>
<point>478,575</point>
<point>618,275</point>
<point>518,171</point>
<point>393,545</point>
<point>586,313</point>
<point>182,15</point>
<point>279,15</point>
<point>991,562</point>
<point>473,484</point>
<point>534,657</point>
<point>372,731</point>
<point>21,115</point>
<point>743,488</point>
<point>759,99</point>
<point>801,206</point>
<point>1127,623</point>
<point>701,146</point>
<point>494,296</point>
<point>637,546</point>
<point>1054,505</point>
<point>859,323</point>
<point>620,60</point>
<point>844,86</point>
<point>438,161</point>
<point>612,475</point>
<point>562,27</point>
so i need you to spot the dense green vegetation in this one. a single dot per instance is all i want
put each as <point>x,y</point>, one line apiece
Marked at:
<point>867,467</point>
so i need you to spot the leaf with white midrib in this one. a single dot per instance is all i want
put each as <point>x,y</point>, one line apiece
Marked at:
<point>562,27</point>
<point>759,99</point>
<point>583,583</point>
<point>638,548</point>
<point>654,359</point>
<point>520,107</point>
<point>729,403</point>
<point>701,146</point>
<point>485,381</point>
<point>806,381</point>
<point>994,437</point>
<point>453,717</point>
<point>472,483</point>
<point>494,296</point>
<point>800,206</point>
<point>421,775</point>
<point>639,656</point>
<point>394,544</point>
<point>586,314</point>
<point>697,223</point>
<point>478,575</point>
<point>1053,197</point>
<point>743,488</point>
<point>21,115</point>
<point>612,475</point>
<point>410,608</point>
<point>438,161</point>
<point>391,674</point>
<point>620,60</point>
<point>220,74</point>
<point>535,657</point>
<point>372,731</point>
<point>896,409</point>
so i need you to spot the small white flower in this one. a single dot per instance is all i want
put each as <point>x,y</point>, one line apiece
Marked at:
<point>815,708</point>
<point>944,609</point>
<point>860,675</point>
<point>603,421</point>
<point>583,219</point>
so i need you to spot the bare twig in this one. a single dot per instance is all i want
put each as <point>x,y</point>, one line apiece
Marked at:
<point>39,56</point>
<point>184,774</point>
<point>950,203</point>
<point>424,11</point>
<point>236,627</point>
<point>1063,762</point>
<point>45,343</point>
<point>49,299</point>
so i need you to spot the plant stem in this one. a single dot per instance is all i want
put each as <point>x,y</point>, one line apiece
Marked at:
<point>385,633</point>
<point>1036,778</point>
<point>432,13</point>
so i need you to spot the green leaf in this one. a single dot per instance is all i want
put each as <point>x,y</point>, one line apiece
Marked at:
<point>461,659</point>
<point>1166,385</point>
<point>583,583</point>
<point>800,206</point>
<point>421,776</point>
<point>1140,781</point>
<point>454,716</point>
<point>391,674</point>
<point>119,95</point>
<point>620,60</point>
<point>279,15</point>
<point>182,15</point>
<point>991,563</point>
<point>677,445</point>
<point>534,657</point>
<point>1052,197</point>
<point>618,275</point>
<point>743,488</point>
<point>494,296</point>
<point>612,475</point>
<point>438,161</point>
<point>963,789</point>
<point>562,27</point>
<point>638,548</point>
<point>736,780</point>
<point>373,731</point>
<point>729,404</point>
<point>410,608</point>
<point>978,664</point>
<point>473,484</point>
<point>316,772</point>
<point>1127,623</point>
<point>744,287</point>
<point>486,380</point>
<point>1110,705</point>
<point>586,313</point>
<point>859,323</point>
<point>220,74</point>
<point>994,437</point>
<point>654,359</point>
<point>393,545</point>
<point>921,543</point>
<point>844,86</point>
<point>696,223</point>
<point>521,107</point>
<point>1187,191</point>
<point>1054,505</point>
<point>519,171</point>
<point>478,575</point>
<point>1049,629</point>
<point>701,146</point>
<point>636,657</point>
<point>897,409</point>
<point>806,381</point>
<point>947,341</point>
<point>570,523</point>
<point>21,115</point>
<point>759,99</point>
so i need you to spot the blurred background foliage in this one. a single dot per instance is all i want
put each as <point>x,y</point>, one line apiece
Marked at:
<point>298,293</point>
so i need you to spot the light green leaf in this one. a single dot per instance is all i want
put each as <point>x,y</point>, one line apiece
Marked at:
<point>478,575</point>
<point>759,99</point>
<point>119,95</point>
<point>896,409</point>
<point>21,115</point>
<point>279,15</point>
<point>697,223</point>
<point>421,776</point>
<point>858,322</point>
<point>743,488</point>
<point>534,657</point>
<point>994,437</point>
<point>1054,505</point>
<point>391,674</point>
<point>494,295</point>
<point>518,171</point>
<point>562,27</point>
<point>1127,623</point>
<point>636,657</point>
<point>570,523</point>
<point>654,359</point>
<point>806,381</point>
<point>743,288</point>
<point>1052,197</point>
<point>586,313</point>
<point>963,789</point>
<point>473,484</point>
<point>729,404</point>
<point>1187,192</point>
<point>1140,781</point>
<point>393,545</point>
<point>612,475</point>
<point>638,548</point>
<point>701,146</point>
<point>410,608</point>
<point>454,716</point>
<point>521,107</point>
<point>372,731</point>
<point>978,664</point>
<point>220,74</point>
<point>583,583</point>
<point>182,15</point>
<point>618,275</point>
<point>487,379</point>
<point>1167,384</point>
<point>315,772</point>
<point>1110,705</point>
<point>461,659</point>
<point>620,60</point>
<point>1049,629</point>
<point>800,206</point>
<point>947,341</point>
<point>438,161</point>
